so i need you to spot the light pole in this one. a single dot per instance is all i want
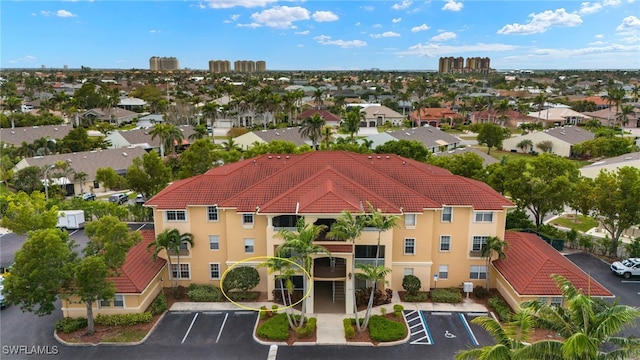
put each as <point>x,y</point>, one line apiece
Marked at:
<point>46,182</point>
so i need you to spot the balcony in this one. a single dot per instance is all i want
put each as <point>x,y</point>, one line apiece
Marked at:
<point>476,253</point>
<point>329,268</point>
<point>182,252</point>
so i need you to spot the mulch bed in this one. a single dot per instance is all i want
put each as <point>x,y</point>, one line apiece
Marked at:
<point>364,336</point>
<point>293,336</point>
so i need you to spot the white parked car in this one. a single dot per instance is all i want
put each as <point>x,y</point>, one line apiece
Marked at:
<point>627,268</point>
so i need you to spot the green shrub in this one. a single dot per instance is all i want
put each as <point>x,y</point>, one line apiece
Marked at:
<point>263,312</point>
<point>349,331</point>
<point>242,296</point>
<point>274,308</point>
<point>480,292</point>
<point>411,284</point>
<point>383,329</point>
<point>308,329</point>
<point>397,310</point>
<point>204,293</point>
<point>451,295</point>
<point>501,308</point>
<point>159,305</point>
<point>69,325</point>
<point>124,319</point>
<point>243,278</point>
<point>276,328</point>
<point>417,297</point>
<point>383,311</point>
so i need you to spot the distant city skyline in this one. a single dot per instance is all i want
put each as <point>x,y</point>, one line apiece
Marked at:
<point>321,35</point>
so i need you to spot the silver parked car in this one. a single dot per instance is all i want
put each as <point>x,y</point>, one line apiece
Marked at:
<point>627,268</point>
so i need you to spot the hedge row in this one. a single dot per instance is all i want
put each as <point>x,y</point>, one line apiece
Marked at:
<point>276,328</point>
<point>451,295</point>
<point>383,330</point>
<point>124,319</point>
<point>501,308</point>
<point>308,329</point>
<point>349,331</point>
<point>69,325</point>
<point>204,293</point>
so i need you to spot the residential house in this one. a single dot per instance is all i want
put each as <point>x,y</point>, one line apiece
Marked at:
<point>115,116</point>
<point>141,279</point>
<point>562,138</point>
<point>132,104</point>
<point>247,140</point>
<point>557,116</point>
<point>611,164</point>
<point>433,116</point>
<point>432,138</point>
<point>235,212</point>
<point>379,115</point>
<point>330,118</point>
<point>87,162</point>
<point>143,139</point>
<point>609,117</point>
<point>525,272</point>
<point>30,134</point>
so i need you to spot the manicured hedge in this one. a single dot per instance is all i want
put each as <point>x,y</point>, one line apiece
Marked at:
<point>397,310</point>
<point>501,308</point>
<point>349,331</point>
<point>383,330</point>
<point>451,295</point>
<point>159,305</point>
<point>69,325</point>
<point>204,293</point>
<point>276,328</point>
<point>308,329</point>
<point>124,319</point>
<point>417,297</point>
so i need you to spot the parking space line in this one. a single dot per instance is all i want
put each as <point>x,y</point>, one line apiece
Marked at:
<point>426,328</point>
<point>273,351</point>
<point>140,228</point>
<point>189,329</point>
<point>630,281</point>
<point>73,232</point>
<point>469,331</point>
<point>222,327</point>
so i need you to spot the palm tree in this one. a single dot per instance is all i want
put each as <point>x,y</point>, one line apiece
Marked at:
<point>625,111</point>
<point>169,136</point>
<point>210,111</point>
<point>525,144</point>
<point>299,245</point>
<point>327,135</point>
<point>373,274</point>
<point>82,177</point>
<point>351,123</point>
<point>12,103</point>
<point>230,144</point>
<point>502,108</point>
<point>171,241</point>
<point>589,328</point>
<point>318,97</point>
<point>634,92</point>
<point>349,228</point>
<point>285,271</point>
<point>545,146</point>
<point>199,132</point>
<point>614,96</point>
<point>492,247</point>
<point>311,128</point>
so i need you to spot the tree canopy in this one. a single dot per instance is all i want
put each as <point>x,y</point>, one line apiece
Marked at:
<point>148,175</point>
<point>28,212</point>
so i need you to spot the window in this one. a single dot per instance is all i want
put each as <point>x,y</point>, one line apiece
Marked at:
<point>445,243</point>
<point>105,303</point>
<point>176,215</point>
<point>214,242</point>
<point>478,272</point>
<point>447,214</point>
<point>484,216</point>
<point>408,271</point>
<point>184,272</point>
<point>556,301</point>
<point>409,246</point>
<point>247,219</point>
<point>248,245</point>
<point>119,301</point>
<point>212,213</point>
<point>409,220</point>
<point>478,243</point>
<point>96,184</point>
<point>214,271</point>
<point>443,272</point>
<point>184,245</point>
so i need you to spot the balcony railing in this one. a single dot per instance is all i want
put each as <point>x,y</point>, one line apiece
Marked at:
<point>476,253</point>
<point>182,252</point>
<point>369,261</point>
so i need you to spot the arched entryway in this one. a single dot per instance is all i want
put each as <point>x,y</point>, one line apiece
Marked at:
<point>329,275</point>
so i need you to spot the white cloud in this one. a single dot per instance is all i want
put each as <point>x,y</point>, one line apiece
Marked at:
<point>65,13</point>
<point>324,16</point>
<point>432,50</point>
<point>599,36</point>
<point>629,30</point>
<point>155,31</point>
<point>368,8</point>
<point>377,26</point>
<point>587,8</point>
<point>395,21</point>
<point>358,24</point>
<point>226,4</point>
<point>306,32</point>
<point>452,5</point>
<point>422,27</point>
<point>402,5</point>
<point>46,13</point>
<point>541,22</point>
<point>281,16</point>
<point>250,25</point>
<point>444,36</point>
<point>387,34</point>
<point>235,17</point>
<point>596,43</point>
<point>326,40</point>
<point>26,59</point>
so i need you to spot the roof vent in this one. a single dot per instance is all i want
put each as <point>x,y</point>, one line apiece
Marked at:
<point>369,156</point>
<point>286,157</point>
<point>125,154</point>
<point>388,157</point>
<point>278,157</point>
<point>56,129</point>
<point>379,157</point>
<point>269,157</point>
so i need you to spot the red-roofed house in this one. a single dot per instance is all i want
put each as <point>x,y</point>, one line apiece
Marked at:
<point>139,282</point>
<point>330,118</point>
<point>235,212</point>
<point>433,116</point>
<point>525,272</point>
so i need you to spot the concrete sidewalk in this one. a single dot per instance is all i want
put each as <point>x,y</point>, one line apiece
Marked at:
<point>330,330</point>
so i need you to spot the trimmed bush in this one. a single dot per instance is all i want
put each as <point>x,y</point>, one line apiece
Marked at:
<point>69,325</point>
<point>501,308</point>
<point>243,278</point>
<point>276,328</point>
<point>383,330</point>
<point>204,293</point>
<point>397,310</point>
<point>159,305</point>
<point>124,319</point>
<point>349,331</point>
<point>274,308</point>
<point>263,312</point>
<point>480,292</point>
<point>308,329</point>
<point>451,295</point>
<point>417,297</point>
<point>242,296</point>
<point>411,284</point>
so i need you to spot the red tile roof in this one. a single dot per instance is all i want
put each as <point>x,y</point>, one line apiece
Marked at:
<point>328,182</point>
<point>139,267</point>
<point>530,262</point>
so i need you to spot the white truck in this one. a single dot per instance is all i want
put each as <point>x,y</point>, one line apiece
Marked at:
<point>70,219</point>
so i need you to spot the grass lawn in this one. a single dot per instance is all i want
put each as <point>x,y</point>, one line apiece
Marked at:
<point>583,223</point>
<point>124,336</point>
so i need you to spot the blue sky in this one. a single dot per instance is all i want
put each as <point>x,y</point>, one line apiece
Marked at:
<point>321,35</point>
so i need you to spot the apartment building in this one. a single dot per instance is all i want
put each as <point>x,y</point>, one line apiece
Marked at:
<point>219,66</point>
<point>449,65</point>
<point>157,63</point>
<point>236,211</point>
